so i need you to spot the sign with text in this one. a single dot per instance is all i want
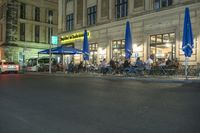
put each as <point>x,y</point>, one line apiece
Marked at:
<point>72,37</point>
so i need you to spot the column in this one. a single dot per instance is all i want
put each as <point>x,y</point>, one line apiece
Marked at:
<point>75,14</point>
<point>98,11</point>
<point>60,15</point>
<point>84,13</point>
<point>147,5</point>
<point>111,9</point>
<point>64,15</point>
<point>130,7</point>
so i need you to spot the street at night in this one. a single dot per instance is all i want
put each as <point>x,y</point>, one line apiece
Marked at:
<point>73,104</point>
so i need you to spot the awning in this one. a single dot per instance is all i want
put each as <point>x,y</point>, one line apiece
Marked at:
<point>62,50</point>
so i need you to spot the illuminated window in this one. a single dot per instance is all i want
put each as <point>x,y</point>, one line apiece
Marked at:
<point>93,52</point>
<point>163,46</point>
<point>118,49</point>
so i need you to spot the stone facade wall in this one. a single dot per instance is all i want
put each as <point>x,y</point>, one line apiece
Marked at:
<point>29,47</point>
<point>80,12</point>
<point>104,8</point>
<point>145,21</point>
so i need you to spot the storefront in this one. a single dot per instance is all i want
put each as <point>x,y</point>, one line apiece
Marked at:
<point>163,46</point>
<point>93,53</point>
<point>118,50</point>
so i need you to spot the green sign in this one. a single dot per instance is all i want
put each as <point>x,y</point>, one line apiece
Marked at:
<point>54,40</point>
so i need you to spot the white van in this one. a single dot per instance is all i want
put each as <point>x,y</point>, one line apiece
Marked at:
<point>40,64</point>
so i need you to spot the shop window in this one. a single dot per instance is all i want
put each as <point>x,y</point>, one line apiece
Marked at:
<point>118,49</point>
<point>165,38</point>
<point>93,52</point>
<point>121,8</point>
<point>159,39</point>
<point>163,46</point>
<point>153,39</point>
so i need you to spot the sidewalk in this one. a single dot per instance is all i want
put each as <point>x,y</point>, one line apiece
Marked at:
<point>153,78</point>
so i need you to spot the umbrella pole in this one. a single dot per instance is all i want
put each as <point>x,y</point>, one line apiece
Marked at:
<point>85,66</point>
<point>186,68</point>
<point>63,63</point>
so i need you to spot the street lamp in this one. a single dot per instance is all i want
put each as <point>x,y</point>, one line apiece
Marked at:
<point>50,55</point>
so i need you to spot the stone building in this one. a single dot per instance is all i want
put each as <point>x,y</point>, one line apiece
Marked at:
<point>26,27</point>
<point>157,27</point>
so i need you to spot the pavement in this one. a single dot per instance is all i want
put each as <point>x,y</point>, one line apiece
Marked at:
<point>70,103</point>
<point>152,78</point>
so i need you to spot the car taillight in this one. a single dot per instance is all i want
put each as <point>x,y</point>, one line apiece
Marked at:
<point>17,67</point>
<point>5,66</point>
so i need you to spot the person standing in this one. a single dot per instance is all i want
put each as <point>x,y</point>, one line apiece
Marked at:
<point>148,64</point>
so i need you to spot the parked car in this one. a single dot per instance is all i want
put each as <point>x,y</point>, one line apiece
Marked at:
<point>8,67</point>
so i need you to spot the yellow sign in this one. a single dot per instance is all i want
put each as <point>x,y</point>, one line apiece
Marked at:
<point>73,37</point>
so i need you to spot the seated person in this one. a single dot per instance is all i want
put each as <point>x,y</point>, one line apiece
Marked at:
<point>126,63</point>
<point>70,67</point>
<point>80,66</point>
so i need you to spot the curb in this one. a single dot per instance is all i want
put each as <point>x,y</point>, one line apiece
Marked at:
<point>118,77</point>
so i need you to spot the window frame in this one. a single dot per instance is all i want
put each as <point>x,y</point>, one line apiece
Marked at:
<point>37,33</point>
<point>37,14</point>
<point>23,10</point>
<point>121,8</point>
<point>159,3</point>
<point>91,15</point>
<point>70,22</point>
<point>22,31</point>
<point>50,14</point>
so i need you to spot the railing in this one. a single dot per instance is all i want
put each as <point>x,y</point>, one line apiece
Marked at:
<point>193,70</point>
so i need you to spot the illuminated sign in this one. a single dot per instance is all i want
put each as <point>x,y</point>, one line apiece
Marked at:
<point>54,40</point>
<point>73,37</point>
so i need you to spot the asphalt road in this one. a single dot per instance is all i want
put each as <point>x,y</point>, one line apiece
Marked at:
<point>49,104</point>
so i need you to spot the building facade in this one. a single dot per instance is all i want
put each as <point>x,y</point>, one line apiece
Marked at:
<point>157,27</point>
<point>26,27</point>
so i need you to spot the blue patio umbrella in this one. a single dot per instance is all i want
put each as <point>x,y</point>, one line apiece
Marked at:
<point>128,41</point>
<point>187,44</point>
<point>46,51</point>
<point>86,51</point>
